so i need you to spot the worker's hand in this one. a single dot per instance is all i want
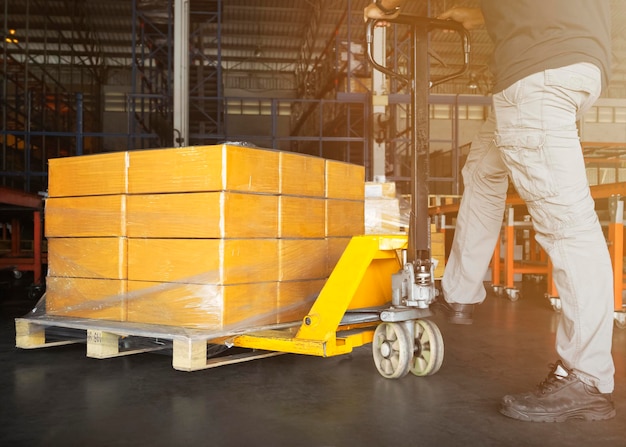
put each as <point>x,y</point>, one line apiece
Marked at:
<point>372,11</point>
<point>470,18</point>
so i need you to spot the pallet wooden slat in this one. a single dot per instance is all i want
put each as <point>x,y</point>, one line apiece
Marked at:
<point>105,340</point>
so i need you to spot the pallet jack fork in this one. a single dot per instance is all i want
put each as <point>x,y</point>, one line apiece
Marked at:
<point>353,308</point>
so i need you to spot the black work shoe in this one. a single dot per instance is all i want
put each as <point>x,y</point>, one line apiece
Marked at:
<point>456,313</point>
<point>560,397</point>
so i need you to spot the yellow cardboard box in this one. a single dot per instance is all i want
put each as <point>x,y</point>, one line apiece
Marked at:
<point>209,307</point>
<point>302,259</point>
<point>203,215</point>
<point>336,247</point>
<point>295,298</point>
<point>301,175</point>
<point>90,216</point>
<point>88,257</point>
<point>203,168</point>
<point>203,261</point>
<point>344,218</point>
<point>103,299</point>
<point>301,217</point>
<point>344,180</point>
<point>88,175</point>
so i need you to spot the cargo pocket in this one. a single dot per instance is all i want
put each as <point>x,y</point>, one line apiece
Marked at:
<point>582,77</point>
<point>528,164</point>
<point>581,83</point>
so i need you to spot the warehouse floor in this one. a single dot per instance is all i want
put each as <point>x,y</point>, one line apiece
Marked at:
<point>58,397</point>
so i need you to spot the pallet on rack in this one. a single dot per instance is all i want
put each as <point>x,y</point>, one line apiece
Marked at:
<point>108,339</point>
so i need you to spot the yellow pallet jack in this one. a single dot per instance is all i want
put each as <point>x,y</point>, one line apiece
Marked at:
<point>381,288</point>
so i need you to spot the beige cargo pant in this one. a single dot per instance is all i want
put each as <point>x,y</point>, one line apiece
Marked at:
<point>531,138</point>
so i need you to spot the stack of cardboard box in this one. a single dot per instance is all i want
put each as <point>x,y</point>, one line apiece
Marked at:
<point>217,237</point>
<point>382,210</point>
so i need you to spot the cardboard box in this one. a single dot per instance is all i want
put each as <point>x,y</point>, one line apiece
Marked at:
<point>101,257</point>
<point>302,259</point>
<point>335,246</point>
<point>88,175</point>
<point>203,261</point>
<point>92,216</point>
<point>208,307</point>
<point>344,218</point>
<point>301,175</point>
<point>382,216</point>
<point>295,299</point>
<point>380,190</point>
<point>344,180</point>
<point>203,168</point>
<point>203,215</point>
<point>103,299</point>
<point>302,217</point>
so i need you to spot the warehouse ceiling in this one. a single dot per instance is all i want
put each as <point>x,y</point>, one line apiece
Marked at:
<point>268,37</point>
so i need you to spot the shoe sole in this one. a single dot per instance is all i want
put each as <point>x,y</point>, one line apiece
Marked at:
<point>438,308</point>
<point>460,320</point>
<point>588,415</point>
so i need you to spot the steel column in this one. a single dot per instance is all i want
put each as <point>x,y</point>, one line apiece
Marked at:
<point>181,72</point>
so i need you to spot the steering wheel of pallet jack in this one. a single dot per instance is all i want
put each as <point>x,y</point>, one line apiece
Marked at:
<point>428,349</point>
<point>392,350</point>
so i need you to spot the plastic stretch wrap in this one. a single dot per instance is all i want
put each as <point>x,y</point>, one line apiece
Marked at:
<point>90,216</point>
<point>203,168</point>
<point>206,215</point>
<point>385,213</point>
<point>74,176</point>
<point>388,213</point>
<point>217,239</point>
<point>302,217</point>
<point>302,175</point>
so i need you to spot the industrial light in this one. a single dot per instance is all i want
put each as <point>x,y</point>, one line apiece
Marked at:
<point>9,38</point>
<point>472,84</point>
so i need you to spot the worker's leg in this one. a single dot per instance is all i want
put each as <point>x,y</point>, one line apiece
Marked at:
<point>479,220</point>
<point>537,134</point>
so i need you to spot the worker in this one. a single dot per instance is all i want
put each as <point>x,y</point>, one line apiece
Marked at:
<point>550,62</point>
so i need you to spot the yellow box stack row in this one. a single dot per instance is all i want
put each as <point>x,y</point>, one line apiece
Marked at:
<point>216,237</point>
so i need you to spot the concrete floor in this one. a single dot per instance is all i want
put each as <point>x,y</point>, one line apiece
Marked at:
<point>59,397</point>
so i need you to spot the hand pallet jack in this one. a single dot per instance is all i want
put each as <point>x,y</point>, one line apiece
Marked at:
<point>353,307</point>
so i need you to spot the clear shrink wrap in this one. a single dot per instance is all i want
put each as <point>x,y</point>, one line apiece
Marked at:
<point>214,239</point>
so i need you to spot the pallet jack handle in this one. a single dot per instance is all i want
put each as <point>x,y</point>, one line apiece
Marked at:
<point>425,25</point>
<point>420,83</point>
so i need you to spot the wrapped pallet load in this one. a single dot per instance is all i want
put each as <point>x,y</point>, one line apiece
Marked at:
<point>216,238</point>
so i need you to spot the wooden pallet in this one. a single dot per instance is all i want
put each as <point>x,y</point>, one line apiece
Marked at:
<point>108,339</point>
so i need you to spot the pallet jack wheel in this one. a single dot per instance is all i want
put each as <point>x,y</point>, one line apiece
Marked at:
<point>392,351</point>
<point>428,349</point>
